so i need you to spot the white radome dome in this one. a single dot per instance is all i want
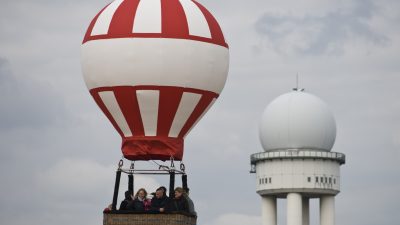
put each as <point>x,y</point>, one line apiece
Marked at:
<point>297,120</point>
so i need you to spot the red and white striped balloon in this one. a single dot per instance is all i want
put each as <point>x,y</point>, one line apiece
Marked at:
<point>154,67</point>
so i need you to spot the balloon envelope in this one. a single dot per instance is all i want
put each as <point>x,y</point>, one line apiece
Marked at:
<point>154,67</point>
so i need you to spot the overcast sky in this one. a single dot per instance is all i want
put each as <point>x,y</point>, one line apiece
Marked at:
<point>58,152</point>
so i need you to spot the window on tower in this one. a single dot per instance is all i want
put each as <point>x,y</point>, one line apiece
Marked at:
<point>316,179</point>
<point>309,179</point>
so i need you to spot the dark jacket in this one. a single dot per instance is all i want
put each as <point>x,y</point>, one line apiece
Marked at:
<point>190,204</point>
<point>157,203</point>
<point>139,206</point>
<point>127,201</point>
<point>136,205</point>
<point>175,204</point>
<point>124,204</point>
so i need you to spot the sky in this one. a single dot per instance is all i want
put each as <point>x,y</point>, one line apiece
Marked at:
<point>59,153</point>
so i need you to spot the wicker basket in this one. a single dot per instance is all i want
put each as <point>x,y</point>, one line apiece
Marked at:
<point>148,219</point>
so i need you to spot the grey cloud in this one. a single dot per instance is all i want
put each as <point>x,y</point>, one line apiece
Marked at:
<point>314,35</point>
<point>26,102</point>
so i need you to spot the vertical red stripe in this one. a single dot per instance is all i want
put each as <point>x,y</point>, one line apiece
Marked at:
<point>174,23</point>
<point>168,105</point>
<point>205,100</point>
<point>215,29</point>
<point>103,108</point>
<point>169,101</point>
<point>127,101</point>
<point>122,21</point>
<point>91,25</point>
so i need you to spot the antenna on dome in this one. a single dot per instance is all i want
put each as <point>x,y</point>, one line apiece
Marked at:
<point>297,84</point>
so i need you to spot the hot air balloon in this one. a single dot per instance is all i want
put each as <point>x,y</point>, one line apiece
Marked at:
<point>154,67</point>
